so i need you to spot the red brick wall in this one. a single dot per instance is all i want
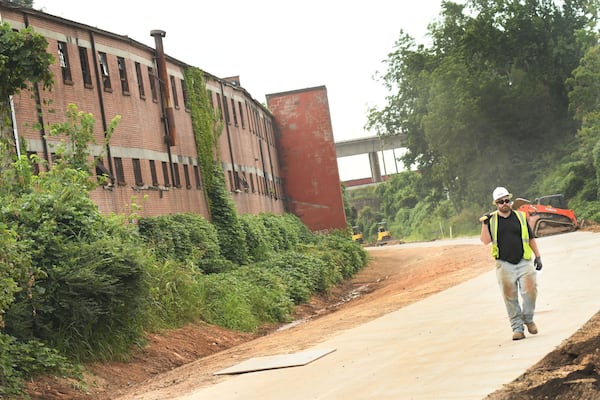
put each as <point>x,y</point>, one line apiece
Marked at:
<point>140,133</point>
<point>308,158</point>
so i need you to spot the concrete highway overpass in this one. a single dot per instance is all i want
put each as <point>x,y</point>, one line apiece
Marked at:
<point>370,146</point>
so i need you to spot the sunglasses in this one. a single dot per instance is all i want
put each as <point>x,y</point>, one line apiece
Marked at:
<point>503,201</point>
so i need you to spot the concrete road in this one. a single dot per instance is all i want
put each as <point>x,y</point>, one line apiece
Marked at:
<point>453,345</point>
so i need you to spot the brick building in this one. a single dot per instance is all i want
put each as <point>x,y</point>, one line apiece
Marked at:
<point>152,157</point>
<point>308,157</point>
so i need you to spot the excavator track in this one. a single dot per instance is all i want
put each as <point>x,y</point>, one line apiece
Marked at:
<point>550,224</point>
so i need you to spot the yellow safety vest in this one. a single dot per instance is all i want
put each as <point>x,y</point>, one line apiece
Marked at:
<point>527,252</point>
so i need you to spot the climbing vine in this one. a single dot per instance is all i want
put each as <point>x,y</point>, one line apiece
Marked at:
<point>205,122</point>
<point>207,128</point>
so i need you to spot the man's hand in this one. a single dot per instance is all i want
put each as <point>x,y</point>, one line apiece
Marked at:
<point>486,218</point>
<point>538,263</point>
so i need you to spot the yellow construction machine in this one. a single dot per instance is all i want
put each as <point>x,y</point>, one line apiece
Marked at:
<point>383,235</point>
<point>357,235</point>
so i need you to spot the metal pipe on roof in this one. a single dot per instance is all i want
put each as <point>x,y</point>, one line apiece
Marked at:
<point>163,78</point>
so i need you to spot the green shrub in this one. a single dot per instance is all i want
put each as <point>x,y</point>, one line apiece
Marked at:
<point>89,305</point>
<point>257,237</point>
<point>185,238</point>
<point>15,265</point>
<point>244,299</point>
<point>175,294</point>
<point>86,291</point>
<point>22,360</point>
<point>303,274</point>
<point>285,231</point>
<point>346,256</point>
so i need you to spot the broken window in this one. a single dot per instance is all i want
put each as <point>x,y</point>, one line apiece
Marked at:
<point>63,60</point>
<point>152,84</point>
<point>104,71</point>
<point>123,75</point>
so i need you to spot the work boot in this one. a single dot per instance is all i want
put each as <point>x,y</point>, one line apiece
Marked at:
<point>531,327</point>
<point>518,335</point>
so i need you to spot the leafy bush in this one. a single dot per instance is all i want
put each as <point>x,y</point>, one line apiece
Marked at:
<point>285,231</point>
<point>21,360</point>
<point>303,274</point>
<point>89,305</point>
<point>175,294</point>
<point>14,265</point>
<point>257,237</point>
<point>245,298</point>
<point>185,238</point>
<point>345,257</point>
<point>86,291</point>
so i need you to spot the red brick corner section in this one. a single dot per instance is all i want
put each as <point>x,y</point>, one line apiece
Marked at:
<point>308,158</point>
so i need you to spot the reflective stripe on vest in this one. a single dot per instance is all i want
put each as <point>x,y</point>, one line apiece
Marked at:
<point>527,252</point>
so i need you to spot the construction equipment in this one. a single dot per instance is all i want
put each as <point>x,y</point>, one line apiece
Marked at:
<point>383,235</point>
<point>357,235</point>
<point>548,215</point>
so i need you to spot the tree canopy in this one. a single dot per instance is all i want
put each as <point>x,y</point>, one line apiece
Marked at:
<point>23,61</point>
<point>486,104</point>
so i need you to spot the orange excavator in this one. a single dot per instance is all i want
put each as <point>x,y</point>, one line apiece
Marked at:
<point>548,215</point>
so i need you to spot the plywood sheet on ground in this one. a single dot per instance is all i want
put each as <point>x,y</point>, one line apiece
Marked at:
<point>274,362</point>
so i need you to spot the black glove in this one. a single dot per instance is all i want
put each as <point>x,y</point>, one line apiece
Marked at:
<point>486,219</point>
<point>538,263</point>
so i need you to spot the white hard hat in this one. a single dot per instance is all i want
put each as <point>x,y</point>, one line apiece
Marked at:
<point>500,192</point>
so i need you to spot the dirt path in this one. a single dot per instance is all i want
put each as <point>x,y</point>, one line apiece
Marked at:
<point>179,361</point>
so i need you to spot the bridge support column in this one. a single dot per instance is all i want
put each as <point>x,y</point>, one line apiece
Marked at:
<point>375,170</point>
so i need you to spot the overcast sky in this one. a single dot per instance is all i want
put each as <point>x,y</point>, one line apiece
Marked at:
<point>276,46</point>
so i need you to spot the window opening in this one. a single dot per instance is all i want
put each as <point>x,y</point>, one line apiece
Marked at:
<point>123,75</point>
<point>186,100</point>
<point>137,172</point>
<point>176,178</point>
<point>104,70</point>
<point>85,67</point>
<point>102,171</point>
<point>197,177</point>
<point>165,168</point>
<point>186,175</point>
<point>174,90</point>
<point>63,59</point>
<point>235,121</point>
<point>140,81</point>
<point>152,84</point>
<point>241,115</point>
<point>226,110</point>
<point>153,173</point>
<point>219,109</point>
<point>119,171</point>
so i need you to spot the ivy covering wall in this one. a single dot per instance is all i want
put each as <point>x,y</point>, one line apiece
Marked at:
<point>207,129</point>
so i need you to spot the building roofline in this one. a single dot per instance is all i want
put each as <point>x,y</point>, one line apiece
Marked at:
<point>123,38</point>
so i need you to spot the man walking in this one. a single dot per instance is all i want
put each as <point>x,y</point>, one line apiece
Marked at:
<point>513,248</point>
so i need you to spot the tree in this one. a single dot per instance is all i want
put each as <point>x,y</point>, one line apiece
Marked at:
<point>23,61</point>
<point>22,3</point>
<point>487,103</point>
<point>585,103</point>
